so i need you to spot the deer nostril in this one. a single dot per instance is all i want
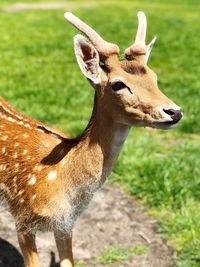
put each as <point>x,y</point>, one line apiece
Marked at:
<point>170,112</point>
<point>176,115</point>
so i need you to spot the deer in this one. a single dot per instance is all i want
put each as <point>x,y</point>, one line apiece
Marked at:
<point>47,178</point>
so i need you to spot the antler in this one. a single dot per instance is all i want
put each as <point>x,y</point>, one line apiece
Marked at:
<point>104,48</point>
<point>139,48</point>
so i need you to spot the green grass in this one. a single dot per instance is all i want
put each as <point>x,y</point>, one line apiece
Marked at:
<point>116,254</point>
<point>39,76</point>
<point>164,172</point>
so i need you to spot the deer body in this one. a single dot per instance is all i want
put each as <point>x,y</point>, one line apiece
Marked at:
<point>46,178</point>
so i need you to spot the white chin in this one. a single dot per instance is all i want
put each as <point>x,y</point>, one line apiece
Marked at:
<point>164,125</point>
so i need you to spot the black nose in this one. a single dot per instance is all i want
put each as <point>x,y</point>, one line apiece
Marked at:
<point>176,115</point>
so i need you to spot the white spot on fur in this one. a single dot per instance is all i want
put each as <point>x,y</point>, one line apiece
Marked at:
<point>3,150</point>
<point>38,168</point>
<point>25,135</point>
<point>11,119</point>
<point>16,165</point>
<point>5,137</point>
<point>20,192</point>
<point>52,175</point>
<point>11,112</point>
<point>3,116</point>
<point>25,152</point>
<point>21,200</point>
<point>16,144</point>
<point>33,180</point>
<point>33,197</point>
<point>27,125</point>
<point>15,155</point>
<point>2,167</point>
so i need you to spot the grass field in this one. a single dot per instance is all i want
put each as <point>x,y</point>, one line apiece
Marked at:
<point>39,76</point>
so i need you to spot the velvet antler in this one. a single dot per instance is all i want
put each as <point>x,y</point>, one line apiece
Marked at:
<point>105,49</point>
<point>139,48</point>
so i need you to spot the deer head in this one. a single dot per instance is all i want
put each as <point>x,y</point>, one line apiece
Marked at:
<point>127,90</point>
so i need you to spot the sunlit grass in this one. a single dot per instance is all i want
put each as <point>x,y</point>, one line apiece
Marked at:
<point>116,254</point>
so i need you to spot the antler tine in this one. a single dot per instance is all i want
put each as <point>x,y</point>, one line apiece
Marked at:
<point>142,27</point>
<point>104,48</point>
<point>139,46</point>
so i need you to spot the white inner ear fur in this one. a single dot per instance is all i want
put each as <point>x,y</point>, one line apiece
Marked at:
<point>87,58</point>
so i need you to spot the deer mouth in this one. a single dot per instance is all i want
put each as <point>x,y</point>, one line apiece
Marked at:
<point>174,117</point>
<point>166,125</point>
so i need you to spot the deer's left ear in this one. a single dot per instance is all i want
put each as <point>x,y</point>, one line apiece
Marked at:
<point>88,59</point>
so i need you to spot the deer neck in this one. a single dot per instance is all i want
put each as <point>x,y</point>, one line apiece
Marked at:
<point>104,138</point>
<point>109,137</point>
<point>89,158</point>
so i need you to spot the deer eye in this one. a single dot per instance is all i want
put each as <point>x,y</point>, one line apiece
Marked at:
<point>116,86</point>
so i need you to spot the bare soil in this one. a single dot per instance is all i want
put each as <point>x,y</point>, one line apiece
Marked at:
<point>18,7</point>
<point>112,218</point>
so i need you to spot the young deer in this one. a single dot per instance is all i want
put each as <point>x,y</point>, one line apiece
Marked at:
<point>46,179</point>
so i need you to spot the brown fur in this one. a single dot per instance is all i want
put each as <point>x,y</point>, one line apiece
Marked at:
<point>132,68</point>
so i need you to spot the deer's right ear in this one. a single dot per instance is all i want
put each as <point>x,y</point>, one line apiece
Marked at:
<point>87,58</point>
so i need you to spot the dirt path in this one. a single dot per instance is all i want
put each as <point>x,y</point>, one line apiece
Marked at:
<point>48,6</point>
<point>112,219</point>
